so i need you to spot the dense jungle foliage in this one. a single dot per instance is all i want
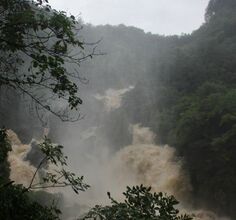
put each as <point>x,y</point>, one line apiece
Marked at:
<point>190,103</point>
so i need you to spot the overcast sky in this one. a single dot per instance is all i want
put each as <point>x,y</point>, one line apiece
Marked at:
<point>156,16</point>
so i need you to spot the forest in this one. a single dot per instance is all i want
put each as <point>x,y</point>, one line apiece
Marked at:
<point>153,113</point>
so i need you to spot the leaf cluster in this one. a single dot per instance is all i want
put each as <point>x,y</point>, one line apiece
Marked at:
<point>140,204</point>
<point>59,176</point>
<point>41,53</point>
<point>5,147</point>
<point>14,204</point>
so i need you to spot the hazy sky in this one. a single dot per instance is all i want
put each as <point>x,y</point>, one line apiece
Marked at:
<point>156,16</point>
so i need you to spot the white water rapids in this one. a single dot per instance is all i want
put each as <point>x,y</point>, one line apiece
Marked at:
<point>142,162</point>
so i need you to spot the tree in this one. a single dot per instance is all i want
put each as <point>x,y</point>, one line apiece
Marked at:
<point>5,147</point>
<point>139,204</point>
<point>41,50</point>
<point>40,54</point>
<point>52,154</point>
<point>17,205</point>
<point>218,6</point>
<point>17,201</point>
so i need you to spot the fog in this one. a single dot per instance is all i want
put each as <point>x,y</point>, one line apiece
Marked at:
<point>156,16</point>
<point>139,106</point>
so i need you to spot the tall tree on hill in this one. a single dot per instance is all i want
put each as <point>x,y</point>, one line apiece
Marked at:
<point>218,6</point>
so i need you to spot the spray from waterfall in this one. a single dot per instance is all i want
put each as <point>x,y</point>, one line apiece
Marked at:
<point>112,98</point>
<point>145,163</point>
<point>21,171</point>
<point>142,162</point>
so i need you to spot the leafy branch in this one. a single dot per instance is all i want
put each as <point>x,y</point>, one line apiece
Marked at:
<point>140,204</point>
<point>59,177</point>
<point>41,52</point>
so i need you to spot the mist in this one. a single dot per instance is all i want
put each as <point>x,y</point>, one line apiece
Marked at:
<point>158,17</point>
<point>158,92</point>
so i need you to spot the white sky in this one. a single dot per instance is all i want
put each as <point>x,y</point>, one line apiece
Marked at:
<point>156,16</point>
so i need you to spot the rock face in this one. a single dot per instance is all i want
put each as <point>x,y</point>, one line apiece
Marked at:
<point>34,155</point>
